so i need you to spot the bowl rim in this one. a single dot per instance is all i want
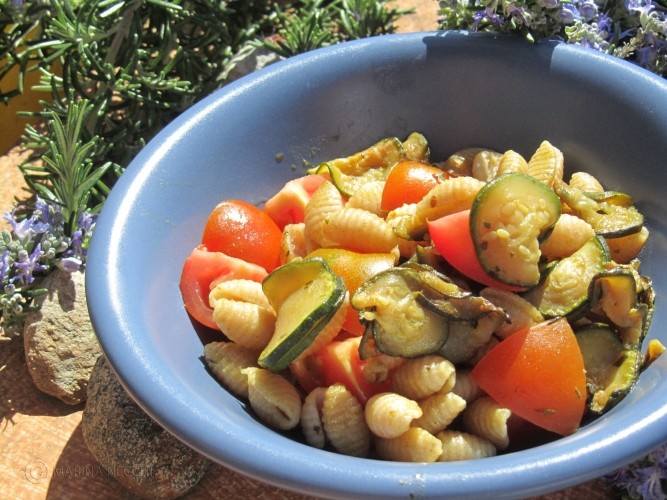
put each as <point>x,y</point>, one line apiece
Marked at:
<point>553,466</point>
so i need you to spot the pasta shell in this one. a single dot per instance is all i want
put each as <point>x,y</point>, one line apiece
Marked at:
<point>293,244</point>
<point>325,202</point>
<point>460,163</point>
<point>388,415</point>
<point>511,162</point>
<point>226,360</point>
<point>420,377</point>
<point>568,235</point>
<point>344,422</point>
<point>546,164</point>
<point>249,325</point>
<point>275,401</point>
<point>626,248</point>
<point>311,418</point>
<point>487,419</point>
<point>358,230</point>
<point>465,386</point>
<point>458,446</point>
<point>485,165</point>
<point>439,410</point>
<point>241,290</point>
<point>415,445</point>
<point>368,197</point>
<point>585,182</point>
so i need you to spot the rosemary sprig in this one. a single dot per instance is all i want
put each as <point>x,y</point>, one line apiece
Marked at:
<point>67,175</point>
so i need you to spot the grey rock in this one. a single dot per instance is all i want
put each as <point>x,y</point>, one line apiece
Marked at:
<point>59,341</point>
<point>140,454</point>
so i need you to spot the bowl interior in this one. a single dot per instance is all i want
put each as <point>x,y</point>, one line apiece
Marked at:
<point>458,89</point>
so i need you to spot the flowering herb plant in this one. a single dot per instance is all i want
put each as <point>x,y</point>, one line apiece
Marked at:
<point>634,30</point>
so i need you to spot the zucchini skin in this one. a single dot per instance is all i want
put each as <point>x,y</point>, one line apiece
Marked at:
<point>286,346</point>
<point>565,288</point>
<point>508,218</point>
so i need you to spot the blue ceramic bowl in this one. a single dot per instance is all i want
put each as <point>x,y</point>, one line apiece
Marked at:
<point>459,89</point>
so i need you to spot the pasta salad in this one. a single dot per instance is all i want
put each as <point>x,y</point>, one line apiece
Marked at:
<point>392,306</point>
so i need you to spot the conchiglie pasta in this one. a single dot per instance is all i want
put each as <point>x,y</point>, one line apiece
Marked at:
<point>377,368</point>
<point>451,195</point>
<point>458,445</point>
<point>465,386</point>
<point>368,197</point>
<point>547,164</point>
<point>388,415</point>
<point>626,248</point>
<point>511,162</point>
<point>239,289</point>
<point>460,162</point>
<point>485,165</point>
<point>294,243</point>
<point>358,230</point>
<point>247,324</point>
<point>273,398</point>
<point>226,360</point>
<point>486,418</point>
<point>325,202</point>
<point>420,377</point>
<point>344,422</point>
<point>415,445</point>
<point>439,411</point>
<point>568,235</point>
<point>585,182</point>
<point>311,418</point>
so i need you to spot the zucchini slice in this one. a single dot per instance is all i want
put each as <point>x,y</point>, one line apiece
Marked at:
<point>507,219</point>
<point>565,291</point>
<point>305,295</point>
<point>416,147</point>
<point>608,218</point>
<point>410,310</point>
<point>614,295</point>
<point>611,367</point>
<point>401,325</point>
<point>383,153</point>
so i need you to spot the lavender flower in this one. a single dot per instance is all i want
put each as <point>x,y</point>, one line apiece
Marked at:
<point>30,264</point>
<point>642,479</point>
<point>35,245</point>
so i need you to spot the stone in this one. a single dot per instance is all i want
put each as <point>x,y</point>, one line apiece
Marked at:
<point>134,449</point>
<point>59,341</point>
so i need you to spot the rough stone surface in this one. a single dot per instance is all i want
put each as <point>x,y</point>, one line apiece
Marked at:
<point>140,454</point>
<point>59,341</point>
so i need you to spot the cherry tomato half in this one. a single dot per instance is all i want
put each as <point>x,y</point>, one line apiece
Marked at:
<point>408,182</point>
<point>239,229</point>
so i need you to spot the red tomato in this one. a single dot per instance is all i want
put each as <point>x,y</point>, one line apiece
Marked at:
<point>202,270</point>
<point>242,230</point>
<point>339,362</point>
<point>408,182</point>
<point>451,237</point>
<point>355,268</point>
<point>288,206</point>
<point>539,374</point>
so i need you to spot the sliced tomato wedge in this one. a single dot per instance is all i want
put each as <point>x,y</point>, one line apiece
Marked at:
<point>203,270</point>
<point>539,374</point>
<point>452,239</point>
<point>288,206</point>
<point>339,362</point>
